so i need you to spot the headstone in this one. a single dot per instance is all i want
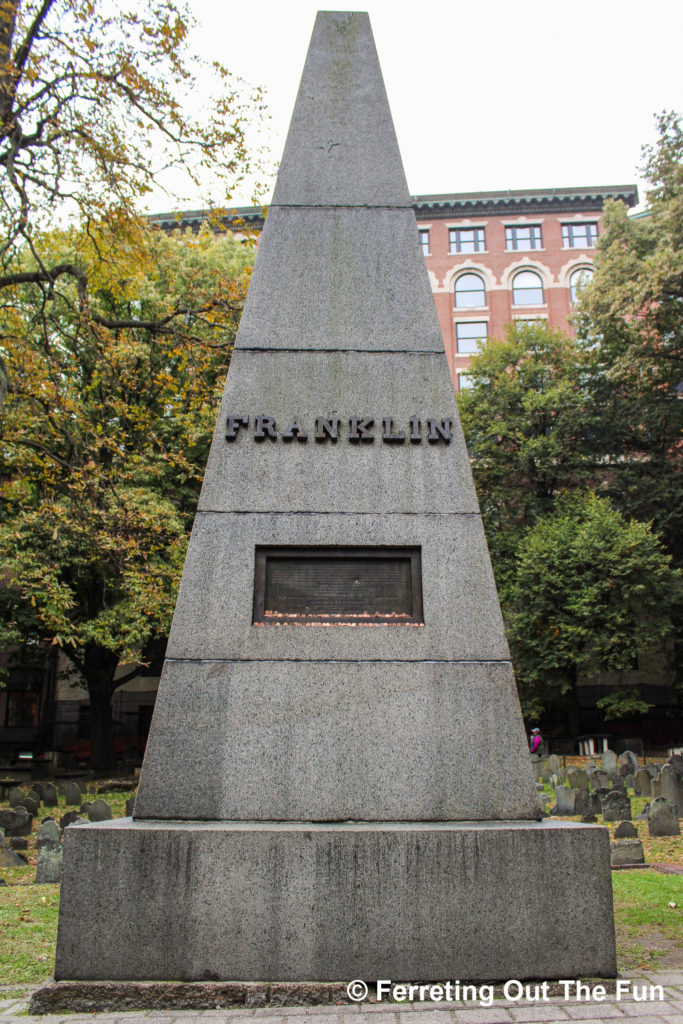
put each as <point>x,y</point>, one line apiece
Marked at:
<point>609,762</point>
<point>72,794</point>
<point>19,843</point>
<point>15,796</point>
<point>577,778</point>
<point>49,832</point>
<point>99,810</point>
<point>676,762</point>
<point>601,780</point>
<point>50,798</point>
<point>16,822</point>
<point>130,806</point>
<point>651,769</point>
<point>668,785</point>
<point>618,785</point>
<point>582,802</point>
<point>85,807</point>
<point>626,852</point>
<point>68,819</point>
<point>554,764</point>
<point>628,782</point>
<point>590,769</point>
<point>628,763</point>
<point>597,796</point>
<point>565,800</point>
<point>662,818</point>
<point>616,806</point>
<point>8,858</point>
<point>30,806</point>
<point>626,830</point>
<point>337,653</point>
<point>642,783</point>
<point>49,867</point>
<point>589,818</point>
<point>36,795</point>
<point>48,817</point>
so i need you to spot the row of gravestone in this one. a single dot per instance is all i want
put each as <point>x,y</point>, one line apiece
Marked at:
<point>49,837</point>
<point>47,794</point>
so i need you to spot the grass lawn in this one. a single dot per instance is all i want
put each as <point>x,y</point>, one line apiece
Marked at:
<point>649,930</point>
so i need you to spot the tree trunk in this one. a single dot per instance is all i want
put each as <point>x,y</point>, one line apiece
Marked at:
<point>99,668</point>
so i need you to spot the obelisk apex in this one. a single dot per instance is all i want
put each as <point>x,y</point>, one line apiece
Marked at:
<point>341,148</point>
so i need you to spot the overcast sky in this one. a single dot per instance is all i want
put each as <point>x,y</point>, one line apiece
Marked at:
<point>485,94</point>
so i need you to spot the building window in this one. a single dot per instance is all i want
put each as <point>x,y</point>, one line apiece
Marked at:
<point>467,334</point>
<point>579,279</point>
<point>464,381</point>
<point>527,289</point>
<point>522,239</point>
<point>579,236</point>
<point>470,292</point>
<point>466,240</point>
<point>423,234</point>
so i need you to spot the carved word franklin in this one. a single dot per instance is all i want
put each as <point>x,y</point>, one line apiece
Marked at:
<point>361,429</point>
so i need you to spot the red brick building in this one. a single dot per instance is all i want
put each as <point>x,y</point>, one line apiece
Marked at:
<point>496,257</point>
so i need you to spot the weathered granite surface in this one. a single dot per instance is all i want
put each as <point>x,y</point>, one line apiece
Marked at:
<point>281,901</point>
<point>376,741</point>
<point>366,299</point>
<point>341,149</point>
<point>214,611</point>
<point>377,478</point>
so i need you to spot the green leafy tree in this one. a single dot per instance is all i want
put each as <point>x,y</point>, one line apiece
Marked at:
<point>631,321</point>
<point>104,440</point>
<point>591,591</point>
<point>524,420</point>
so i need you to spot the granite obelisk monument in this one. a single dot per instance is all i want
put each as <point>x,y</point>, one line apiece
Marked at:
<point>337,783</point>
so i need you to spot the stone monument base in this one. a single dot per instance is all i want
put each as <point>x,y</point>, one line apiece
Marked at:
<point>254,901</point>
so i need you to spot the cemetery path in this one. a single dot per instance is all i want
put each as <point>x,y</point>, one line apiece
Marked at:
<point>648,997</point>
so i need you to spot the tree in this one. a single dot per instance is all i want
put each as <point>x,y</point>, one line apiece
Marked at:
<point>524,420</point>
<point>591,591</point>
<point>105,437</point>
<point>630,319</point>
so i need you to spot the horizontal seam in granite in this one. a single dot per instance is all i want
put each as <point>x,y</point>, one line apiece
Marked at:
<point>335,351</point>
<point>353,661</point>
<point>316,512</point>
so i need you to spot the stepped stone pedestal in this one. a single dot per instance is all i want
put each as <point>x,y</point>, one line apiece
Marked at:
<point>337,783</point>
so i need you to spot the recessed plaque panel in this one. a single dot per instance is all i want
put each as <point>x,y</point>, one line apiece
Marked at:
<point>338,586</point>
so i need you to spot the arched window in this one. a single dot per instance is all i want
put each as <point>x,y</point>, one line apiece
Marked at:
<point>579,279</point>
<point>470,291</point>
<point>527,289</point>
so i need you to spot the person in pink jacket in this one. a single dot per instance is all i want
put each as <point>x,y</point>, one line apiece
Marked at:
<point>536,745</point>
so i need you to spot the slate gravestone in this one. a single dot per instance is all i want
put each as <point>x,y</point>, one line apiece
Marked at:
<point>72,794</point>
<point>565,800</point>
<point>50,795</point>
<point>68,818</point>
<point>16,822</point>
<point>29,805</point>
<point>577,778</point>
<point>626,830</point>
<point>668,785</point>
<point>642,783</point>
<point>49,866</point>
<point>36,795</point>
<point>49,832</point>
<point>602,780</point>
<point>609,762</point>
<point>15,796</point>
<point>99,810</point>
<point>582,802</point>
<point>628,763</point>
<point>337,662</point>
<point>616,806</point>
<point>662,818</point>
<point>627,852</point>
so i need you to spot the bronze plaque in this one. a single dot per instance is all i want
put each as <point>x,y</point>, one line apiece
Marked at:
<point>338,586</point>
